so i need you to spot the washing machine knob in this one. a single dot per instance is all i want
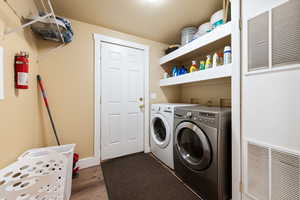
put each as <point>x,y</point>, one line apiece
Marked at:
<point>189,114</point>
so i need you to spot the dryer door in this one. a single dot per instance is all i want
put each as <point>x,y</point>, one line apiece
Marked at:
<point>193,147</point>
<point>160,131</point>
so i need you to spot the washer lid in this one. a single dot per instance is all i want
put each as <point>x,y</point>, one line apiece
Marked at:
<point>193,147</point>
<point>160,131</point>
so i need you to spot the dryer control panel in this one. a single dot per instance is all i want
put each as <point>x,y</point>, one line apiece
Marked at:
<point>207,118</point>
<point>210,119</point>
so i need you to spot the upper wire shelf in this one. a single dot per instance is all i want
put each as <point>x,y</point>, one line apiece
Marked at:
<point>47,16</point>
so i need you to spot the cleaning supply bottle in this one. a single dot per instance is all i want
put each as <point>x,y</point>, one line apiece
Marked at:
<point>221,58</point>
<point>202,65</point>
<point>193,68</point>
<point>217,59</point>
<point>208,62</point>
<point>174,71</point>
<point>227,55</point>
<point>182,70</point>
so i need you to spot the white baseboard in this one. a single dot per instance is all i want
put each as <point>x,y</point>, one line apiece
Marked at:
<point>147,149</point>
<point>88,162</point>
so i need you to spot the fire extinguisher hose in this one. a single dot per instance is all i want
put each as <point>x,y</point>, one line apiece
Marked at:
<point>43,92</point>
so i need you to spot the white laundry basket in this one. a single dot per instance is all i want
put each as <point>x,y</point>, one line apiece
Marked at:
<point>66,150</point>
<point>39,178</point>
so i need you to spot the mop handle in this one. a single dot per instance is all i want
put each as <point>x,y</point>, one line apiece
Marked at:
<point>40,83</point>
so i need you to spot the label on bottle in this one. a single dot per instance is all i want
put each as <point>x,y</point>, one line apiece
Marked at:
<point>227,58</point>
<point>202,65</point>
<point>22,78</point>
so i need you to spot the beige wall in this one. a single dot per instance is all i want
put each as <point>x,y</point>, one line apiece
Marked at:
<point>19,112</point>
<point>207,93</point>
<point>68,73</point>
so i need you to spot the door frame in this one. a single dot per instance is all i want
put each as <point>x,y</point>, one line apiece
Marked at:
<point>98,39</point>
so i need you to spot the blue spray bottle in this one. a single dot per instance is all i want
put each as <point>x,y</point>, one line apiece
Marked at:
<point>174,71</point>
<point>182,70</point>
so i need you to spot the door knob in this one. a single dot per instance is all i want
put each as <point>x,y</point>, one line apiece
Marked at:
<point>142,106</point>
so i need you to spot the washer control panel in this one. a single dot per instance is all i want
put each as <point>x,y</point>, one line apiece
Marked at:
<point>168,109</point>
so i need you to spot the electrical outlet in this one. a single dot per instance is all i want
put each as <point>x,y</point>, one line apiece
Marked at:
<point>153,96</point>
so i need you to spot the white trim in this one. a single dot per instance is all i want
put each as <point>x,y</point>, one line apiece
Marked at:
<point>88,162</point>
<point>245,169</point>
<point>236,101</point>
<point>270,40</point>
<point>209,38</point>
<point>103,38</point>
<point>270,173</point>
<point>208,74</point>
<point>274,69</point>
<point>270,146</point>
<point>97,114</point>
<point>147,100</point>
<point>97,93</point>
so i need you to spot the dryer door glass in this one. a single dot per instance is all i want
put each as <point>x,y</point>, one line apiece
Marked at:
<point>159,129</point>
<point>193,146</point>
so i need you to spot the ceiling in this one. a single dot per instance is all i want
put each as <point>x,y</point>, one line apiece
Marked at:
<point>158,20</point>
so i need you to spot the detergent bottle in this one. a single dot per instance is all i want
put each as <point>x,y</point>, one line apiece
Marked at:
<point>208,63</point>
<point>182,70</point>
<point>174,71</point>
<point>202,65</point>
<point>193,68</point>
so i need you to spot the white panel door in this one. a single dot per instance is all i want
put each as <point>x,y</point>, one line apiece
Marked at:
<point>122,116</point>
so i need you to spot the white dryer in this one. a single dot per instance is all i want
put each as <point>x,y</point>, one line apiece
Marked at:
<point>161,134</point>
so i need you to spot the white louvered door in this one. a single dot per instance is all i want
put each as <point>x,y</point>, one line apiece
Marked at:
<point>271,99</point>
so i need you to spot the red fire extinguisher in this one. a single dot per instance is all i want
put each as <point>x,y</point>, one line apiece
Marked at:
<point>21,70</point>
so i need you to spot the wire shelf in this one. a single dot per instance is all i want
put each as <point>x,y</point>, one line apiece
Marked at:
<point>47,16</point>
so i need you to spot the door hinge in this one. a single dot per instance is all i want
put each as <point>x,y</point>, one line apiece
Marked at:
<point>241,187</point>
<point>240,24</point>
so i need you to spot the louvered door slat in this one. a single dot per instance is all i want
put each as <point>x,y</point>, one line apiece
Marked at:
<point>286,34</point>
<point>285,176</point>
<point>258,42</point>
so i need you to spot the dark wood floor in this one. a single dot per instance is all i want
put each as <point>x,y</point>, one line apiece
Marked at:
<point>89,185</point>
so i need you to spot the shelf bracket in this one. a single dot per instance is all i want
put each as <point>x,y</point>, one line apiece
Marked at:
<point>50,14</point>
<point>27,24</point>
<point>52,11</point>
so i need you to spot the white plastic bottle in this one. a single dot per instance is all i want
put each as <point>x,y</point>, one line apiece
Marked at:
<point>215,60</point>
<point>227,55</point>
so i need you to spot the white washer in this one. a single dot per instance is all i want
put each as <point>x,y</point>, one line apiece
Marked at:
<point>161,135</point>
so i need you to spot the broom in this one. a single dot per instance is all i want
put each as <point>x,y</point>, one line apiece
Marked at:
<point>43,92</point>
